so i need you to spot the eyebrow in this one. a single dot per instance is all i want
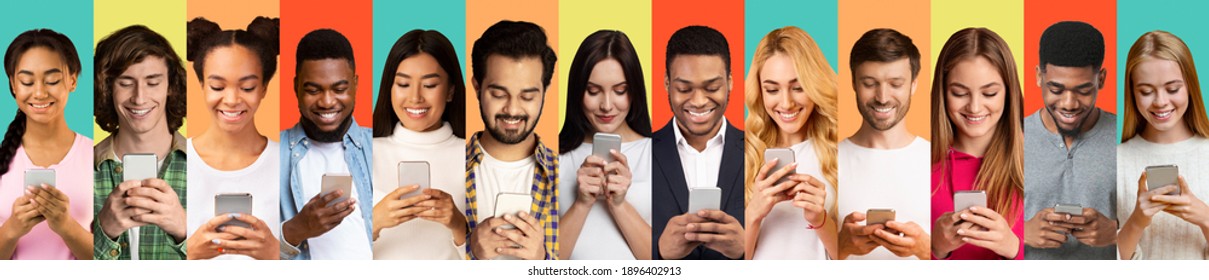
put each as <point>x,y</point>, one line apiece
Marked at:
<point>245,78</point>
<point>710,81</point>
<point>426,76</point>
<point>313,84</point>
<point>775,82</point>
<point>956,84</point>
<point>599,85</point>
<point>1057,84</point>
<point>152,76</point>
<point>47,72</point>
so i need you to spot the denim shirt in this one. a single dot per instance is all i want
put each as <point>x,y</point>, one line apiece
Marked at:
<point>358,152</point>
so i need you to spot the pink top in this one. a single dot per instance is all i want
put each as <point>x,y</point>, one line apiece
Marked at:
<point>963,169</point>
<point>73,176</point>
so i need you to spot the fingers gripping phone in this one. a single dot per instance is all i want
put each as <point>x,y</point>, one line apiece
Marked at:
<point>37,177</point>
<point>603,142</point>
<point>963,200</point>
<point>1071,209</point>
<point>784,158</point>
<point>878,216</point>
<point>414,173</point>
<point>139,167</point>
<point>228,203</point>
<point>511,203</point>
<point>704,198</point>
<point>1159,176</point>
<point>332,182</point>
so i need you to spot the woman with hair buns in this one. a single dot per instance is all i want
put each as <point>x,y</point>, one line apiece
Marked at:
<point>49,220</point>
<point>231,158</point>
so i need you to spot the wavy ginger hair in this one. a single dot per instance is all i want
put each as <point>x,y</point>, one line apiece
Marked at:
<point>1002,172</point>
<point>819,82</point>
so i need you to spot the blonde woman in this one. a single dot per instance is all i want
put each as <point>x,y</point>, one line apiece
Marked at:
<point>1164,124</point>
<point>977,144</point>
<point>791,104</point>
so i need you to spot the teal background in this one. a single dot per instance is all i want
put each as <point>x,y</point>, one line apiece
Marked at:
<point>392,19</point>
<point>72,18</point>
<point>820,19</point>
<point>1183,18</point>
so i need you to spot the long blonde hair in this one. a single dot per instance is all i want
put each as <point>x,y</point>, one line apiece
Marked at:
<point>1002,172</point>
<point>1162,45</point>
<point>819,82</point>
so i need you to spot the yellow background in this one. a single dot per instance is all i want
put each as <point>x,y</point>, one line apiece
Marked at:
<point>1004,17</point>
<point>578,19</point>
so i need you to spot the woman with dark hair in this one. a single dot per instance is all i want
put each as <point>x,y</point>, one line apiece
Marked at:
<point>48,219</point>
<point>231,157</point>
<point>139,90</point>
<point>610,205</point>
<point>420,117</point>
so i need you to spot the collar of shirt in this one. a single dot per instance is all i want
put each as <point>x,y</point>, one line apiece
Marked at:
<point>297,135</point>
<point>716,141</point>
<point>544,155</point>
<point>103,151</point>
<point>404,135</point>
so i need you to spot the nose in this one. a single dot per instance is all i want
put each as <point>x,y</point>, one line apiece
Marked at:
<point>1067,101</point>
<point>1161,100</point>
<point>786,101</point>
<point>511,105</point>
<point>881,93</point>
<point>41,91</point>
<point>230,96</point>
<point>327,99</point>
<point>698,98</point>
<point>413,95</point>
<point>136,96</point>
<point>975,103</point>
<point>606,104</point>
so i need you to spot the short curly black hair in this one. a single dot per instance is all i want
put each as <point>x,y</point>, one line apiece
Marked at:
<point>697,40</point>
<point>513,39</point>
<point>323,44</point>
<point>1071,44</point>
<point>120,50</point>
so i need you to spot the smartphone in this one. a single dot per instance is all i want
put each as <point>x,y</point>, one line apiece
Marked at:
<point>37,177</point>
<point>511,203</point>
<point>139,167</point>
<point>1158,176</point>
<point>963,200</point>
<point>226,203</point>
<point>414,173</point>
<point>1072,209</point>
<point>878,216</point>
<point>332,182</point>
<point>704,198</point>
<point>603,142</point>
<point>784,158</point>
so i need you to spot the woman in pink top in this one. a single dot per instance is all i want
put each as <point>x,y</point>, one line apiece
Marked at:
<point>44,221</point>
<point>977,144</point>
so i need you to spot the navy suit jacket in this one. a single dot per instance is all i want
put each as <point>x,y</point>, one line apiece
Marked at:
<point>669,190</point>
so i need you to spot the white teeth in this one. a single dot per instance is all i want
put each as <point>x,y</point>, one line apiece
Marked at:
<point>975,119</point>
<point>140,112</point>
<point>331,115</point>
<point>883,109</point>
<point>1067,115</point>
<point>701,114</point>
<point>512,121</point>
<point>1164,114</point>
<point>230,114</point>
<point>416,111</point>
<point>789,116</point>
<point>40,106</point>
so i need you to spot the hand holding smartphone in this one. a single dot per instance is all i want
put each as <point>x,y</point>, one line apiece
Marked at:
<point>784,158</point>
<point>228,203</point>
<point>1071,209</point>
<point>1159,176</point>
<point>963,200</point>
<point>332,182</point>
<point>37,177</point>
<point>704,198</point>
<point>139,167</point>
<point>414,173</point>
<point>878,216</point>
<point>602,143</point>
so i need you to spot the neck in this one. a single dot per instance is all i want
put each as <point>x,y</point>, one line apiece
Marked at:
<point>1088,124</point>
<point>233,141</point>
<point>55,132</point>
<point>974,146</point>
<point>508,152</point>
<point>699,142</point>
<point>893,138</point>
<point>155,141</point>
<point>1176,134</point>
<point>788,139</point>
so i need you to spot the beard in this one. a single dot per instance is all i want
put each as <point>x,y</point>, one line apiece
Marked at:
<point>313,131</point>
<point>901,110</point>
<point>511,137</point>
<point>1073,132</point>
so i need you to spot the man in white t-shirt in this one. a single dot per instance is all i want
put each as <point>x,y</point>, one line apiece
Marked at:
<point>512,68</point>
<point>883,166</point>
<point>321,223</point>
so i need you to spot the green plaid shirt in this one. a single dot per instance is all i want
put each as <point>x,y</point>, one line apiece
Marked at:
<point>154,243</point>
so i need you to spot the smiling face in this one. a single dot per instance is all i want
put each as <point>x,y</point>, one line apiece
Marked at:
<point>785,100</point>
<point>1069,94</point>
<point>140,95</point>
<point>1162,98</point>
<point>607,99</point>
<point>974,97</point>
<point>233,87</point>
<point>883,92</point>
<point>511,97</point>
<point>327,91</point>
<point>420,92</point>
<point>41,85</point>
<point>698,89</point>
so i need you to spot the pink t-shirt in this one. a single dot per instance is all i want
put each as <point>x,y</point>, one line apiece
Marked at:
<point>963,169</point>
<point>73,176</point>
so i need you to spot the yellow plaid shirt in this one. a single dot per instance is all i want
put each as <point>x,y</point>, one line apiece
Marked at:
<point>545,193</point>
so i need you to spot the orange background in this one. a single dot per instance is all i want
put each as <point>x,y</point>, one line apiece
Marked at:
<point>232,14</point>
<point>669,16</point>
<point>354,19</point>
<point>481,14</point>
<point>1039,15</point>
<point>912,18</point>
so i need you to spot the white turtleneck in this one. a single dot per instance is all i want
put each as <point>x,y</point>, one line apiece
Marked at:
<point>445,154</point>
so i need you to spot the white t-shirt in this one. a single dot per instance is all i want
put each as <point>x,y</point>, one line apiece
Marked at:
<point>347,240</point>
<point>784,233</point>
<point>600,236</point>
<point>898,179</point>
<point>259,179</point>
<point>493,177</point>
<point>445,154</point>
<point>701,167</point>
<point>1168,237</point>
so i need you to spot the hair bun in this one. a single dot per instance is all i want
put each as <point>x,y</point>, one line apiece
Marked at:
<point>269,30</point>
<point>198,30</point>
